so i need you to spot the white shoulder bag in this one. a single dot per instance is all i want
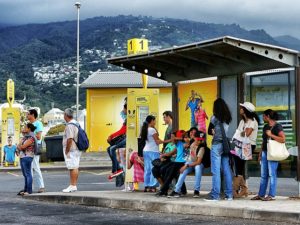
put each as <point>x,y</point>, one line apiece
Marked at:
<point>276,151</point>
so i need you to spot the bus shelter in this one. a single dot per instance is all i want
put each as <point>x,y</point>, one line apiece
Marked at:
<point>230,60</point>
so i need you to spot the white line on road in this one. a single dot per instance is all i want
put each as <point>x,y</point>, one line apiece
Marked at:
<point>97,174</point>
<point>13,174</point>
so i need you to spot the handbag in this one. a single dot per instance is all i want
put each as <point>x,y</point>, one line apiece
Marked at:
<point>242,146</point>
<point>227,147</point>
<point>276,151</point>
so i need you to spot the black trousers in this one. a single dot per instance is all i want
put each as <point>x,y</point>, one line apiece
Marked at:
<point>172,171</point>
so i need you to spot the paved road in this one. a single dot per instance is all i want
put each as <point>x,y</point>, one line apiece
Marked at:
<point>16,210</point>
<point>97,180</point>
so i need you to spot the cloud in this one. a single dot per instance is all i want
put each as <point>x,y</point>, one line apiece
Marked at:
<point>275,16</point>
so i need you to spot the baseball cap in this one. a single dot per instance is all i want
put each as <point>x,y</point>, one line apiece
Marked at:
<point>249,106</point>
<point>180,133</point>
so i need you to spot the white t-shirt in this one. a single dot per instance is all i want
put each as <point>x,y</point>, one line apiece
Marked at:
<point>71,131</point>
<point>151,145</point>
<point>250,124</point>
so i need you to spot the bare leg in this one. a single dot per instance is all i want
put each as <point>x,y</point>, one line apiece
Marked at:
<point>74,176</point>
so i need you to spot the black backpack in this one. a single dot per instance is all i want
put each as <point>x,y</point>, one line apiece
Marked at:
<point>83,141</point>
<point>206,156</point>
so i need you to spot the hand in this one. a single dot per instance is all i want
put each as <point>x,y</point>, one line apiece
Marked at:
<point>268,133</point>
<point>213,131</point>
<point>108,139</point>
<point>162,156</point>
<point>67,153</point>
<point>183,168</point>
<point>259,157</point>
<point>243,134</point>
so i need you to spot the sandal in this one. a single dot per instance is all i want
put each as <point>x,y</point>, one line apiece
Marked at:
<point>268,198</point>
<point>25,193</point>
<point>153,190</point>
<point>257,197</point>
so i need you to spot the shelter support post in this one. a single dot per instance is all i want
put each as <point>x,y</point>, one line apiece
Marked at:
<point>297,74</point>
<point>175,111</point>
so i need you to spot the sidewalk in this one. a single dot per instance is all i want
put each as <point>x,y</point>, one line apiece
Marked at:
<point>89,161</point>
<point>282,209</point>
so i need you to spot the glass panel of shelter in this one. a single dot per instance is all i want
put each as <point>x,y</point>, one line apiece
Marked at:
<point>274,91</point>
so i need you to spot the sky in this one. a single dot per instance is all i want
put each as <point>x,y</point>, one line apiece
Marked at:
<point>277,17</point>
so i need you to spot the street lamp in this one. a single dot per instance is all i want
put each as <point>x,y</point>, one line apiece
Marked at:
<point>77,4</point>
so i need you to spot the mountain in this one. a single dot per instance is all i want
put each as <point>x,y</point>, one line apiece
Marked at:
<point>41,58</point>
<point>289,42</point>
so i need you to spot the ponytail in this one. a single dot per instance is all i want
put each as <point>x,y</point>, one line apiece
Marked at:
<point>144,130</point>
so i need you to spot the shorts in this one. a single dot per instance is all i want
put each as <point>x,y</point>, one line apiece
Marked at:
<point>73,161</point>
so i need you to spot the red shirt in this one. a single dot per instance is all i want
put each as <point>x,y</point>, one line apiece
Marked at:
<point>119,132</point>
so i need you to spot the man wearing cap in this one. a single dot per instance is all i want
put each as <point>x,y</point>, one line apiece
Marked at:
<point>70,150</point>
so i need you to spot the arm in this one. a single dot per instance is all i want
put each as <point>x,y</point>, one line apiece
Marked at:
<point>69,144</point>
<point>26,144</point>
<point>169,154</point>
<point>248,131</point>
<point>187,104</point>
<point>206,117</point>
<point>38,135</point>
<point>157,140</point>
<point>118,133</point>
<point>129,163</point>
<point>280,138</point>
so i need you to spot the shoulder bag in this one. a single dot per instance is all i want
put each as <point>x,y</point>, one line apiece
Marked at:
<point>276,151</point>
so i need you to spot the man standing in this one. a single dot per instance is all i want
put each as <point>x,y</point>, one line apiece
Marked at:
<point>32,116</point>
<point>71,151</point>
<point>168,119</point>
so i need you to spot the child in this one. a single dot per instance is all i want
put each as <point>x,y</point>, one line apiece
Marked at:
<point>138,169</point>
<point>193,163</point>
<point>200,117</point>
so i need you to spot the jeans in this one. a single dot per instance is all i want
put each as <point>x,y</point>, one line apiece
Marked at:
<point>149,180</point>
<point>220,162</point>
<point>26,170</point>
<point>268,169</point>
<point>198,175</point>
<point>111,150</point>
<point>37,175</point>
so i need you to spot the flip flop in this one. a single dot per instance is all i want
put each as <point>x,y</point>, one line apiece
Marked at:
<point>257,197</point>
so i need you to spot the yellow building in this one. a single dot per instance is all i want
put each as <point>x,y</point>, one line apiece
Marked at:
<point>106,92</point>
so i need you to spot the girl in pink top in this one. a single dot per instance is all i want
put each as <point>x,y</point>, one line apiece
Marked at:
<point>200,117</point>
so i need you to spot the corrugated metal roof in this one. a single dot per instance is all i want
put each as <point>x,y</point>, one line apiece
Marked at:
<point>125,79</point>
<point>217,57</point>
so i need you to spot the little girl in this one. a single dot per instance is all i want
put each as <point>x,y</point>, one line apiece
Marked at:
<point>200,117</point>
<point>138,169</point>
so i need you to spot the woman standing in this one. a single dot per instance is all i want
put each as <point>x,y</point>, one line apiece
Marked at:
<point>149,135</point>
<point>26,151</point>
<point>219,161</point>
<point>272,130</point>
<point>248,127</point>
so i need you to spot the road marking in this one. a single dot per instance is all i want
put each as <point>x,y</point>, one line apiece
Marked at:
<point>13,174</point>
<point>97,174</point>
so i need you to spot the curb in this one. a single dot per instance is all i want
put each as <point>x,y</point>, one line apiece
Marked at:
<point>169,207</point>
<point>57,168</point>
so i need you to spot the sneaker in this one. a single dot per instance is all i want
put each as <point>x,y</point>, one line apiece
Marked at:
<point>161,194</point>
<point>115,174</point>
<point>228,199</point>
<point>174,194</point>
<point>70,189</point>
<point>210,199</point>
<point>41,190</point>
<point>196,194</point>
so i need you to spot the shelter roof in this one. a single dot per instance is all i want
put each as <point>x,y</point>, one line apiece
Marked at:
<point>216,57</point>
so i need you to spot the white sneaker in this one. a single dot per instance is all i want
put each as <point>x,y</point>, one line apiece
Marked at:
<point>69,189</point>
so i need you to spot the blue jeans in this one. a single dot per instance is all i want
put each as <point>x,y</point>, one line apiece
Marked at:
<point>198,175</point>
<point>111,150</point>
<point>149,180</point>
<point>26,170</point>
<point>220,162</point>
<point>268,169</point>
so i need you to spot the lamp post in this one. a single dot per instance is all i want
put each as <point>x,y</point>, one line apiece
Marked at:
<point>77,4</point>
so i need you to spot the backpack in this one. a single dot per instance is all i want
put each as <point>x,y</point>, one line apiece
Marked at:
<point>83,141</point>
<point>206,156</point>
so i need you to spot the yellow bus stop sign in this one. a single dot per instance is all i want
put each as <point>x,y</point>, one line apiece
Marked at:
<point>10,91</point>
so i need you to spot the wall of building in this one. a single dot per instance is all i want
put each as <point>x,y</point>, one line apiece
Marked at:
<point>103,113</point>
